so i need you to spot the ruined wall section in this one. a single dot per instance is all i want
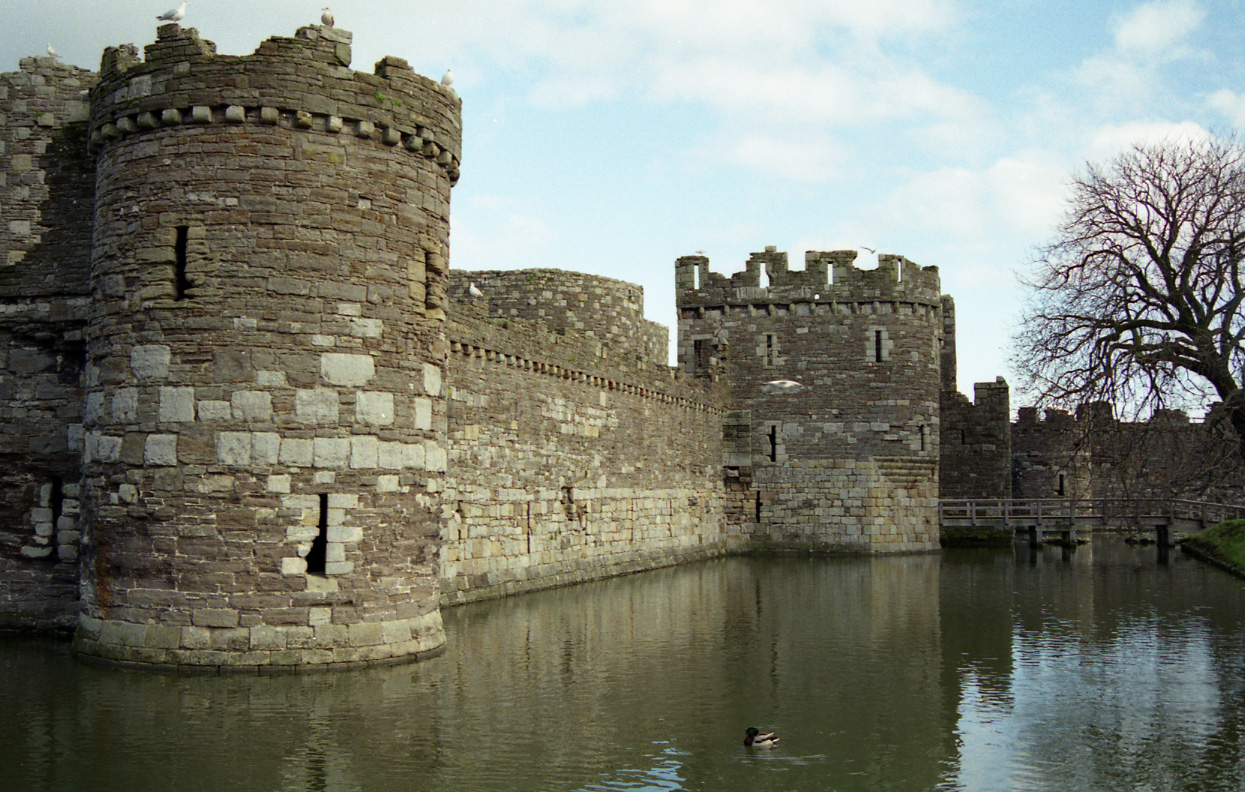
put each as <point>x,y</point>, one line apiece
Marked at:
<point>265,415</point>
<point>46,190</point>
<point>1051,457</point>
<point>849,461</point>
<point>571,303</point>
<point>570,459</point>
<point>976,445</point>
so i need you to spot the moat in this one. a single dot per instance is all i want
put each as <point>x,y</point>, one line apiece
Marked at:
<point>1108,667</point>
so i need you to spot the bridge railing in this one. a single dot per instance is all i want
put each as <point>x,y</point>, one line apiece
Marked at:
<point>1008,511</point>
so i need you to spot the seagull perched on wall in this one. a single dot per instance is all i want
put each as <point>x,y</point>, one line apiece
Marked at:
<point>447,79</point>
<point>174,14</point>
<point>781,386</point>
<point>53,52</point>
<point>326,17</point>
<point>474,291</point>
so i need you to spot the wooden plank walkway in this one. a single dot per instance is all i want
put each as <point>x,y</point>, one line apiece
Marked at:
<point>1040,516</point>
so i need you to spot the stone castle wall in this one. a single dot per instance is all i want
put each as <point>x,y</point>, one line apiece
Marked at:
<point>849,460</point>
<point>45,233</point>
<point>264,411</point>
<point>571,459</point>
<point>976,449</point>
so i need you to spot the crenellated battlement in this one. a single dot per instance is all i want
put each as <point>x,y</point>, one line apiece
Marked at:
<point>827,277</point>
<point>302,82</point>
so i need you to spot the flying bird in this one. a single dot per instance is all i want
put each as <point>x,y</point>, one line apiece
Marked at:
<point>754,739</point>
<point>781,386</point>
<point>474,291</point>
<point>448,78</point>
<point>871,250</point>
<point>53,52</point>
<point>174,14</point>
<point>326,16</point>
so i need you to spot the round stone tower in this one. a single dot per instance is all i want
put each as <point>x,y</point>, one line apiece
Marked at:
<point>264,420</point>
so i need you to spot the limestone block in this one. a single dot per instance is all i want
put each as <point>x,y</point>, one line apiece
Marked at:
<point>344,533</point>
<point>177,405</point>
<point>374,408</point>
<point>107,449</point>
<point>93,406</point>
<point>423,413</point>
<point>160,449</point>
<point>363,452</point>
<point>339,568</point>
<point>265,448</point>
<point>293,566</point>
<point>434,457</point>
<point>334,552</point>
<point>389,456</point>
<point>150,362</point>
<point>296,452</point>
<point>212,410</point>
<point>331,452</point>
<point>347,370</point>
<point>125,405</point>
<point>251,405</point>
<point>432,380</point>
<point>413,455</point>
<point>366,328</point>
<point>316,406</point>
<point>270,379</point>
<point>388,483</point>
<point>343,500</point>
<point>278,484</point>
<point>233,448</point>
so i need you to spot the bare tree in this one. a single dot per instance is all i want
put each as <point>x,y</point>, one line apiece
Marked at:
<point>1138,301</point>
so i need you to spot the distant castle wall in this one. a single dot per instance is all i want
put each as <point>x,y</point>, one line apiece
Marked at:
<point>848,461</point>
<point>47,188</point>
<point>571,456</point>
<point>976,448</point>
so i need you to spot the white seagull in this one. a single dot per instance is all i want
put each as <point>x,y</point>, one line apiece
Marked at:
<point>474,291</point>
<point>174,14</point>
<point>781,386</point>
<point>53,52</point>
<point>448,78</point>
<point>326,16</point>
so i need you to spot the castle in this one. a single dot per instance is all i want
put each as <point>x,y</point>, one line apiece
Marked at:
<point>251,419</point>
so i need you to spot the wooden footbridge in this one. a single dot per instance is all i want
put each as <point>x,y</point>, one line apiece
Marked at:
<point>1063,516</point>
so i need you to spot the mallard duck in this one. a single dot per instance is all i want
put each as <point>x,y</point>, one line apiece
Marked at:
<point>754,739</point>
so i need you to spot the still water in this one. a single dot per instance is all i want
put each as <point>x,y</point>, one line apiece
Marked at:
<point>1103,668</point>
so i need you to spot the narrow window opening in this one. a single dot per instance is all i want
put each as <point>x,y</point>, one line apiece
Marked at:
<point>922,429</point>
<point>180,281</point>
<point>758,507</point>
<point>877,346</point>
<point>773,444</point>
<point>702,351</point>
<point>1060,487</point>
<point>56,501</point>
<point>319,546</point>
<point>963,441</point>
<point>771,349</point>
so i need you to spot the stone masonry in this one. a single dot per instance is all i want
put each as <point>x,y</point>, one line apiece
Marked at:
<point>251,420</point>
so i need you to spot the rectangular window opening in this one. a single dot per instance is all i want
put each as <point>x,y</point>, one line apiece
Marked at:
<point>771,349</point>
<point>758,507</point>
<point>1060,488</point>
<point>773,443</point>
<point>923,437</point>
<point>877,346</point>
<point>319,546</point>
<point>180,281</point>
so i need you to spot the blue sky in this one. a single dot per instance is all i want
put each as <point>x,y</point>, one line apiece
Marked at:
<point>613,137</point>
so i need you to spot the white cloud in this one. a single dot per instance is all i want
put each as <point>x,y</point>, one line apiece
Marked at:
<point>493,232</point>
<point>1107,141</point>
<point>1231,105</point>
<point>1155,28</point>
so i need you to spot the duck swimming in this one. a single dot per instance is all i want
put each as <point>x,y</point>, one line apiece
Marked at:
<point>754,739</point>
